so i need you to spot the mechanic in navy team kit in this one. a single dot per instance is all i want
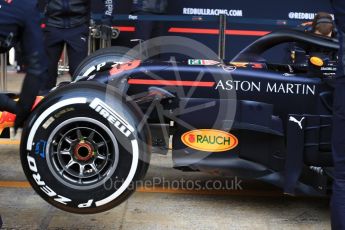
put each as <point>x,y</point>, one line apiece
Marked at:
<point>338,138</point>
<point>19,22</point>
<point>67,22</point>
<point>149,29</point>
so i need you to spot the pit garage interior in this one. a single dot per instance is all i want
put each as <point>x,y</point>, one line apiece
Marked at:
<point>169,198</point>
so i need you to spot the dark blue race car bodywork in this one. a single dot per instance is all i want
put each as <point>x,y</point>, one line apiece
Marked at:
<point>88,142</point>
<point>280,114</point>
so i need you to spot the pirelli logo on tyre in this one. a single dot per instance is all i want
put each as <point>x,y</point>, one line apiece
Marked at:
<point>209,140</point>
<point>109,114</point>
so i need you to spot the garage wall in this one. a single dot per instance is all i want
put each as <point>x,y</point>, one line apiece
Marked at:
<point>289,12</point>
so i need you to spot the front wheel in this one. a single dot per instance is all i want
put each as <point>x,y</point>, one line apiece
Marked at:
<point>81,149</point>
<point>102,60</point>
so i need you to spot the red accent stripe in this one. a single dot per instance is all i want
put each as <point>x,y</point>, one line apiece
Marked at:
<point>171,83</point>
<point>203,31</point>
<point>216,31</point>
<point>126,28</point>
<point>247,32</point>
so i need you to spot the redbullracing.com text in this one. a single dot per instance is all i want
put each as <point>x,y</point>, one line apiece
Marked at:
<point>212,12</point>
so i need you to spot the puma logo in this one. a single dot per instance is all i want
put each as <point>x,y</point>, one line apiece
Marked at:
<point>296,121</point>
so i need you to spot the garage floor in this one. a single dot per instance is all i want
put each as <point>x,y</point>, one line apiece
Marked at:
<point>253,205</point>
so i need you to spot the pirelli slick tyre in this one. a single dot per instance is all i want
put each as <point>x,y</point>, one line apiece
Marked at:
<point>102,60</point>
<point>83,150</point>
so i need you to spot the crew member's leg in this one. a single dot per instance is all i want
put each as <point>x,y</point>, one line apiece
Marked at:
<point>338,138</point>
<point>77,46</point>
<point>157,31</point>
<point>35,59</point>
<point>143,30</point>
<point>54,44</point>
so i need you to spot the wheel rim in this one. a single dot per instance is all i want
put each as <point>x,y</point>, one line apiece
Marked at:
<point>82,153</point>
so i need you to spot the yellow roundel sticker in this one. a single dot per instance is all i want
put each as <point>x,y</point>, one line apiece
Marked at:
<point>209,140</point>
<point>316,61</point>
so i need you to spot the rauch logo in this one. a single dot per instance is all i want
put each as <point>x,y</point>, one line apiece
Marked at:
<point>209,140</point>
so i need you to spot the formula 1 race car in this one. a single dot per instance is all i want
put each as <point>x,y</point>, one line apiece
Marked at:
<point>88,142</point>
